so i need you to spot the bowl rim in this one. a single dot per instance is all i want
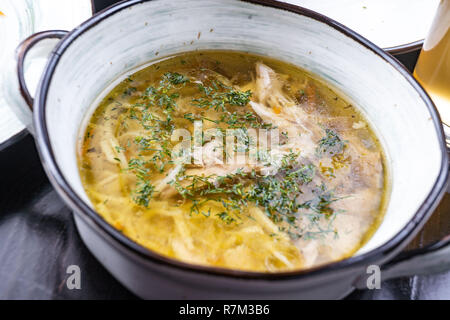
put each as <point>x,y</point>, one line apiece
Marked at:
<point>81,208</point>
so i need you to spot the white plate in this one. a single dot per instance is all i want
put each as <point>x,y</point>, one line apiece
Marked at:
<point>393,25</point>
<point>22,18</point>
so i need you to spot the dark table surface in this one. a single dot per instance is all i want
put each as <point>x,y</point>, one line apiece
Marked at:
<point>38,239</point>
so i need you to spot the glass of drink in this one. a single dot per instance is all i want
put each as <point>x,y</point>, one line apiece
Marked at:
<point>433,67</point>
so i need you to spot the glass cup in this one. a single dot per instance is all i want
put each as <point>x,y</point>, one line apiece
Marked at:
<point>433,67</point>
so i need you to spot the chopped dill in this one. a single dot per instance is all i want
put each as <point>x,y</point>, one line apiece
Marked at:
<point>331,143</point>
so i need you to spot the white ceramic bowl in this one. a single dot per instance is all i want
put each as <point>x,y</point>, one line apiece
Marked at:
<point>116,42</point>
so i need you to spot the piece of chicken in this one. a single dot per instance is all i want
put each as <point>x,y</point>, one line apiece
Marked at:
<point>357,181</point>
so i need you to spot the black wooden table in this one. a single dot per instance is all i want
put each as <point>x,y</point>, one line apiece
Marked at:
<point>38,239</point>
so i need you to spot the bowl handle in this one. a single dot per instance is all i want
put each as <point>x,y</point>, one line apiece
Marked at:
<point>434,258</point>
<point>21,53</point>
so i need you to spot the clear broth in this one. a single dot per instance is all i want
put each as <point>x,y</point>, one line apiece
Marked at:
<point>314,197</point>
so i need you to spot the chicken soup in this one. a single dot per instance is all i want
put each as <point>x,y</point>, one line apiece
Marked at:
<point>234,160</point>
